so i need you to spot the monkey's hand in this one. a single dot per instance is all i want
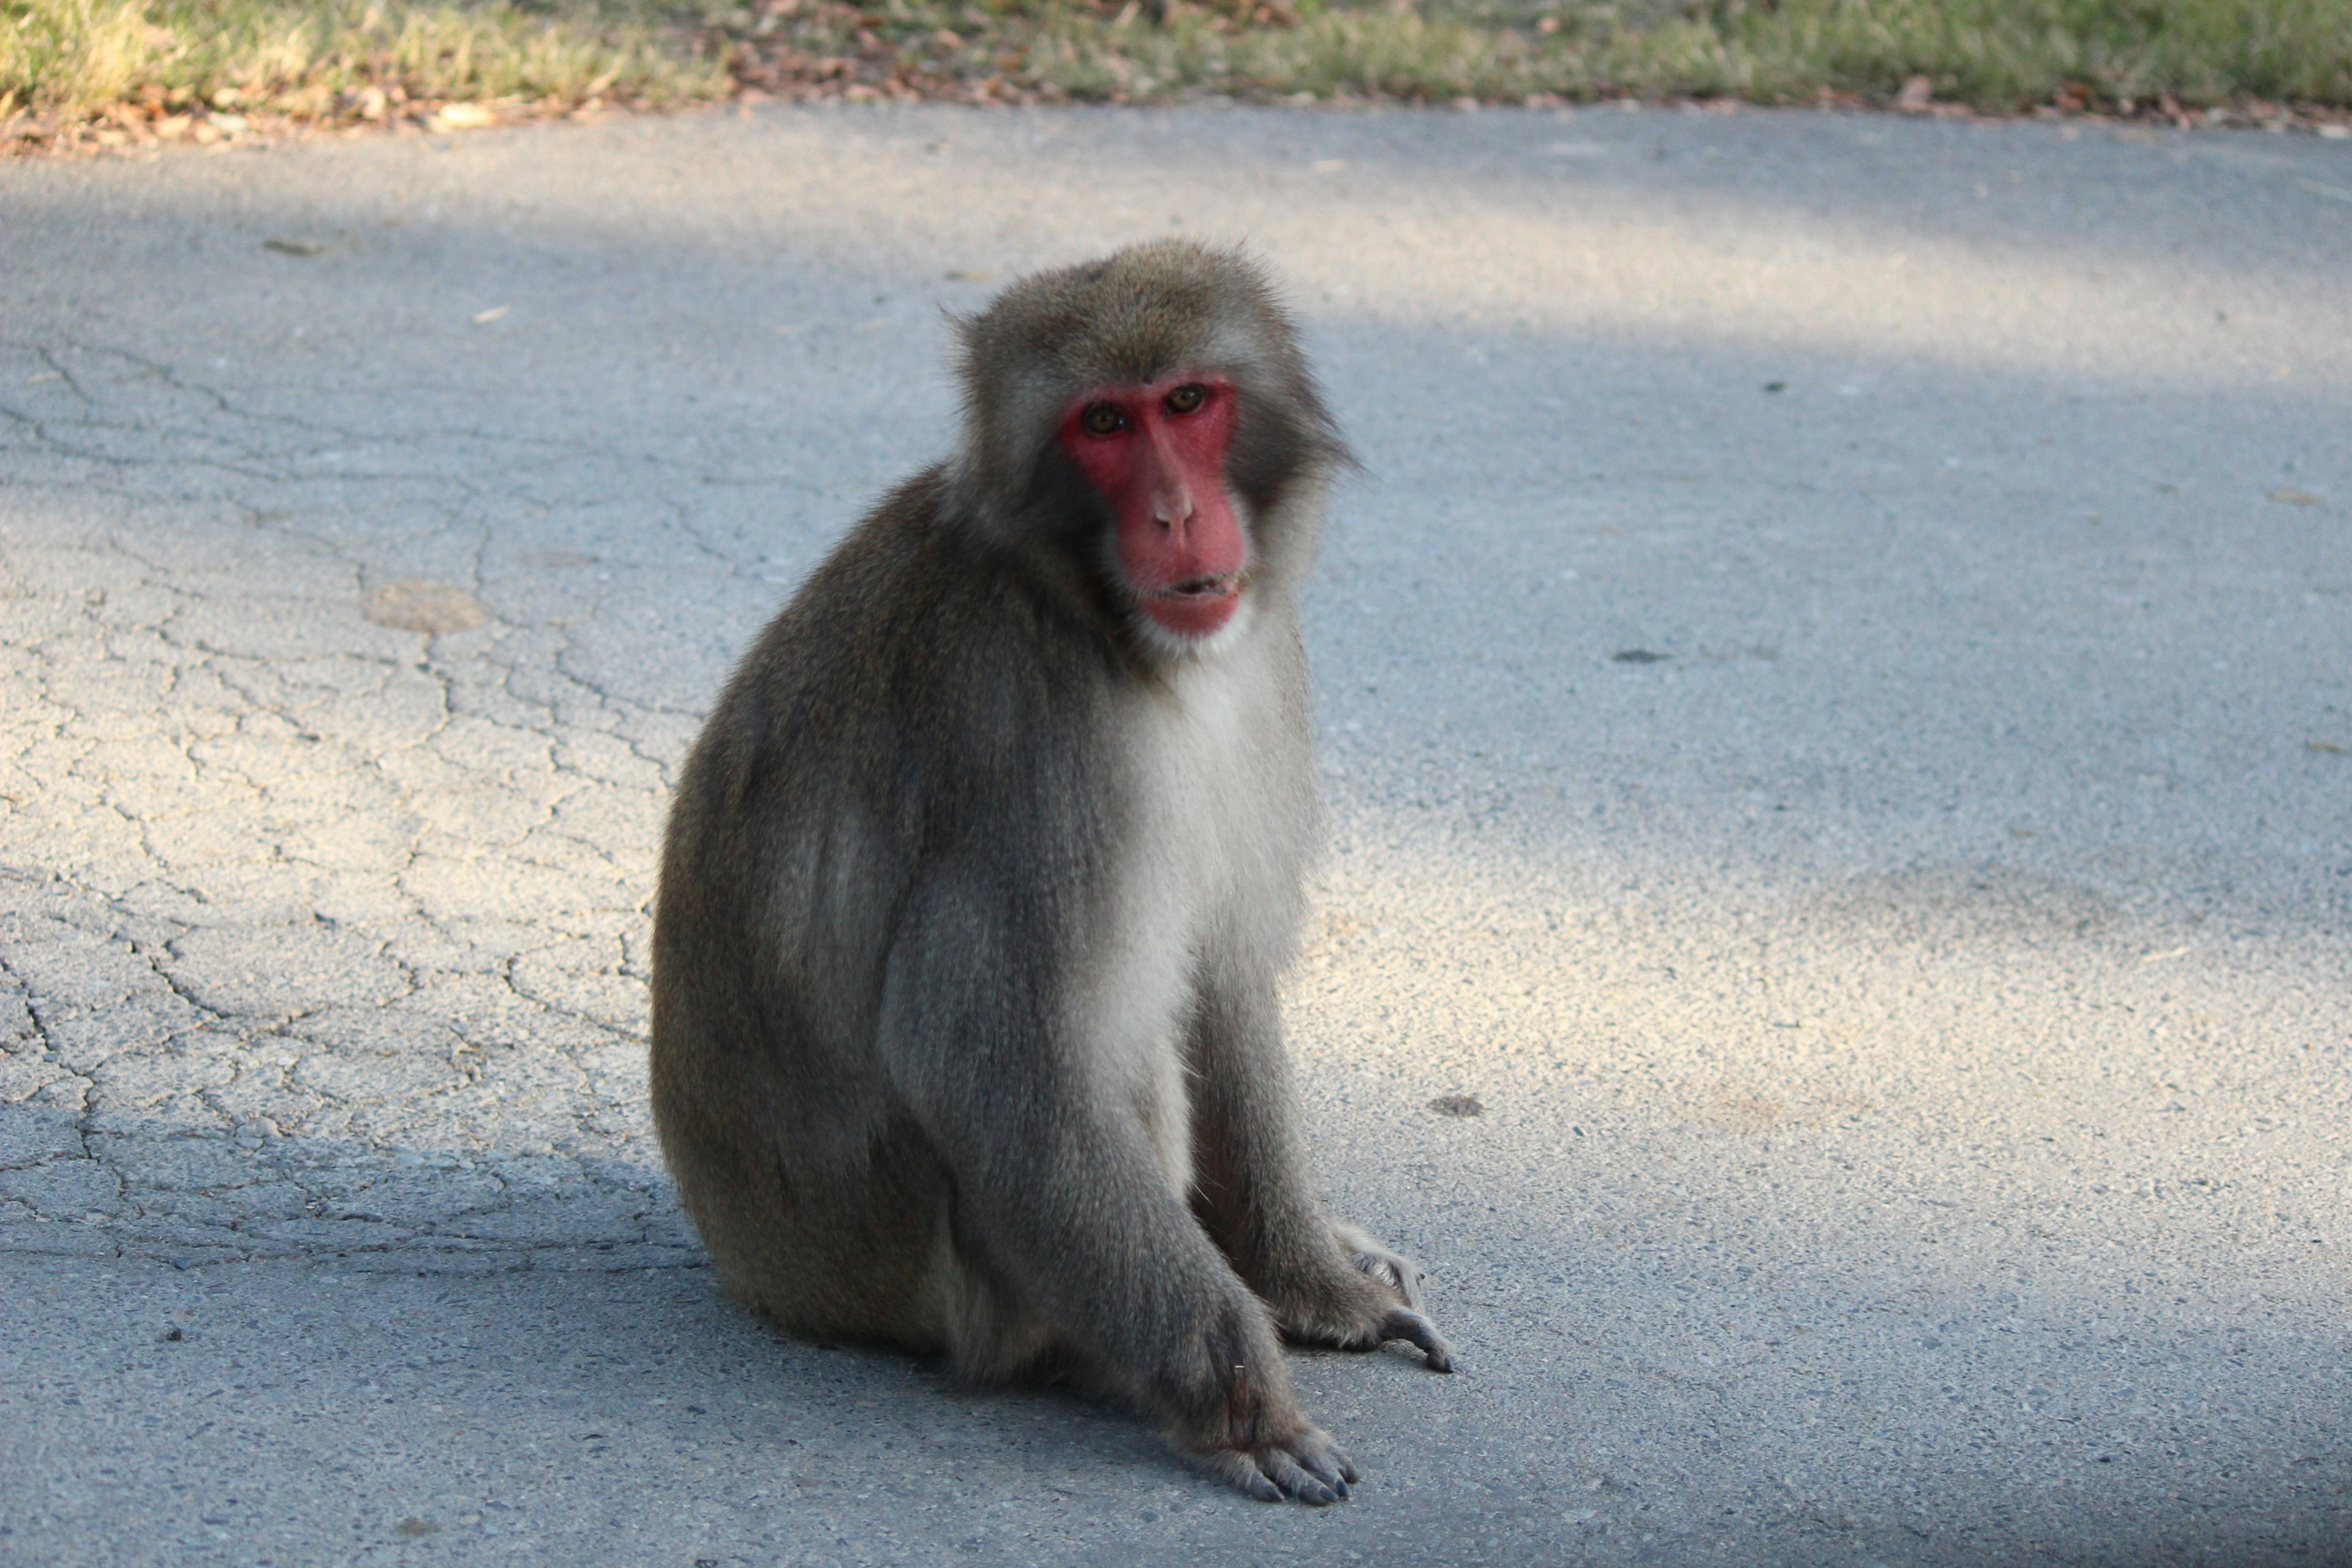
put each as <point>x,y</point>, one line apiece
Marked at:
<point>1380,1301</point>
<point>1228,1405</point>
<point>1306,1466</point>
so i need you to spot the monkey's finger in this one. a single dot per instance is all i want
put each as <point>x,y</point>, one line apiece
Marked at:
<point>1296,1481</point>
<point>1410,1326</point>
<point>1240,1471</point>
<point>1327,1464</point>
<point>1317,1444</point>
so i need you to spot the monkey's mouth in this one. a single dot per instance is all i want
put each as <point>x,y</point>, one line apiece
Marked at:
<point>1195,606</point>
<point>1207,588</point>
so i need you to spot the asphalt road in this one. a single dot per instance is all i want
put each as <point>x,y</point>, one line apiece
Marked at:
<point>1836,698</point>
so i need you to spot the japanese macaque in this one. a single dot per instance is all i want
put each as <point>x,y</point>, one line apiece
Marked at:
<point>979,881</point>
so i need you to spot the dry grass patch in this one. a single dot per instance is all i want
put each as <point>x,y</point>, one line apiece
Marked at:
<point>140,69</point>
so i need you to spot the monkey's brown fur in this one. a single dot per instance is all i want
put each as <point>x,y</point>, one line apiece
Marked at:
<point>975,899</point>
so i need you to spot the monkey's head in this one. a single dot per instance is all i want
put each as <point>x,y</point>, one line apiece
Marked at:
<point>1150,416</point>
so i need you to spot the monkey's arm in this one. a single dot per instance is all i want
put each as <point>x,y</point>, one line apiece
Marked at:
<point>1327,1283</point>
<point>1058,1196</point>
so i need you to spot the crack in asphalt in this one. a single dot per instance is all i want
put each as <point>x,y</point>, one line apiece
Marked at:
<point>183,798</point>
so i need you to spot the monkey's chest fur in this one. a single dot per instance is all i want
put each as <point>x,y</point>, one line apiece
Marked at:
<point>1216,837</point>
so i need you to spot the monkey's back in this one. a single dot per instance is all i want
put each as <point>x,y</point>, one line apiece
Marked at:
<point>849,749</point>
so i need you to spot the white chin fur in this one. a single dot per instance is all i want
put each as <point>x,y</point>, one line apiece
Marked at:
<point>1170,645</point>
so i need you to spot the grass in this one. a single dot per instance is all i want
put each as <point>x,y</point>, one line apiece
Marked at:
<point>132,71</point>
<point>187,65</point>
<point>1999,56</point>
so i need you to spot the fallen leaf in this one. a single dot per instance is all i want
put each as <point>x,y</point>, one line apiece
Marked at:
<point>295,247</point>
<point>980,277</point>
<point>2294,498</point>
<point>463,117</point>
<point>1329,165</point>
<point>494,313</point>
<point>1638,655</point>
<point>2330,747</point>
<point>414,607</point>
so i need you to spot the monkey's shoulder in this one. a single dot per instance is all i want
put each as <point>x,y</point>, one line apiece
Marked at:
<point>918,614</point>
<point>917,667</point>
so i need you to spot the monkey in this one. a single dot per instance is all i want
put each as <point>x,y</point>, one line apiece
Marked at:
<point>979,880</point>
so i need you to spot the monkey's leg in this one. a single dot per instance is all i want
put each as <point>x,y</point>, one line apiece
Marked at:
<point>1059,1195</point>
<point>845,1249</point>
<point>1327,1283</point>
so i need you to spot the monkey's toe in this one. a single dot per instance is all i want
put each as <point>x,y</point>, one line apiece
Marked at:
<point>1414,1330</point>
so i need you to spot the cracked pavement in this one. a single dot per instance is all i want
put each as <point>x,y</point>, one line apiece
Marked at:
<point>1835,703</point>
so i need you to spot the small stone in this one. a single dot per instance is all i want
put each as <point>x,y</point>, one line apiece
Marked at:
<point>1457,1105</point>
<point>416,606</point>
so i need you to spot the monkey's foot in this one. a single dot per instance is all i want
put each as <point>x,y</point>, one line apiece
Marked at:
<point>1400,1274</point>
<point>1365,1325</point>
<point>1357,1329</point>
<point>1307,1466</point>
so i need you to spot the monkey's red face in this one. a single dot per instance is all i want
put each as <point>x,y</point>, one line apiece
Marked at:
<point>1156,453</point>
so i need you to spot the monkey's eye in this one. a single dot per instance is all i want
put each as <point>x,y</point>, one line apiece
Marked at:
<point>1103,419</point>
<point>1185,399</point>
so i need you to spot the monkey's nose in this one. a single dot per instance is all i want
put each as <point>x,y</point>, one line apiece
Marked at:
<point>1170,508</point>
